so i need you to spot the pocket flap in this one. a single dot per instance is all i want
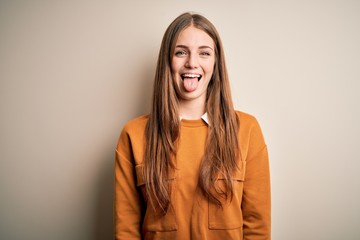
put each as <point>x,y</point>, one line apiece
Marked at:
<point>140,179</point>
<point>239,174</point>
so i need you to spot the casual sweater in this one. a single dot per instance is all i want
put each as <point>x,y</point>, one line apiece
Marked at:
<point>191,215</point>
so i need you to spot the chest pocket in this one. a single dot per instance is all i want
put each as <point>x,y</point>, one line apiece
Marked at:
<point>153,221</point>
<point>230,215</point>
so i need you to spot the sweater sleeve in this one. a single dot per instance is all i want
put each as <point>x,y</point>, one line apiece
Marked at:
<point>256,203</point>
<point>127,200</point>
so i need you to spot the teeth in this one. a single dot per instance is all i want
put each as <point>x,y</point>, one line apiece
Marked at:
<point>188,75</point>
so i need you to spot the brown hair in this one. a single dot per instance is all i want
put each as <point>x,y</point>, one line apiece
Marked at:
<point>162,129</point>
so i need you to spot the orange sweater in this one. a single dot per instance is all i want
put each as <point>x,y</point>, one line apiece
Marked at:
<point>191,216</point>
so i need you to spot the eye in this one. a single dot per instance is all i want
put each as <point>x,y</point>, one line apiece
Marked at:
<point>180,53</point>
<point>205,54</point>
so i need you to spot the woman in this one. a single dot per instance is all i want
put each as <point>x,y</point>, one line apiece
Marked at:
<point>194,168</point>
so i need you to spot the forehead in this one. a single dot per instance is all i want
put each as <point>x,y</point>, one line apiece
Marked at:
<point>193,37</point>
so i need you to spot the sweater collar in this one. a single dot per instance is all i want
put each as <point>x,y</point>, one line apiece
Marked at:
<point>204,117</point>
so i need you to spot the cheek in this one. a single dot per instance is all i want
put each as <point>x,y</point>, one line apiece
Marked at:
<point>210,65</point>
<point>175,65</point>
<point>172,65</point>
<point>175,71</point>
<point>210,68</point>
<point>172,68</point>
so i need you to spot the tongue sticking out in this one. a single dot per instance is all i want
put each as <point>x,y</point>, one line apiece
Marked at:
<point>190,84</point>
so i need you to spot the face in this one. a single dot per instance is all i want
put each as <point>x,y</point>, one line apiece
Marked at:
<point>192,64</point>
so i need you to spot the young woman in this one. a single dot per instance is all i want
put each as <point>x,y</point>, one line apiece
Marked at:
<point>194,168</point>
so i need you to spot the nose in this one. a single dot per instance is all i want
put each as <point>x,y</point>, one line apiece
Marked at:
<point>192,61</point>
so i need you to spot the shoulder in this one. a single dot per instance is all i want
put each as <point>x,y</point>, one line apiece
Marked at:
<point>250,129</point>
<point>133,131</point>
<point>131,141</point>
<point>246,119</point>
<point>136,124</point>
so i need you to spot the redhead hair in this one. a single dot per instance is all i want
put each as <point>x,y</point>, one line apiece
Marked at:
<point>163,126</point>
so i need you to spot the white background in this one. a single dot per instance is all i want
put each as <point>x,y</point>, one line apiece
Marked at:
<point>73,72</point>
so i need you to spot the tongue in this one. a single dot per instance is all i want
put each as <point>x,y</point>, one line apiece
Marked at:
<point>190,84</point>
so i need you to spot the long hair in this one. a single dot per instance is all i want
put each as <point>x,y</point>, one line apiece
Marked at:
<point>163,126</point>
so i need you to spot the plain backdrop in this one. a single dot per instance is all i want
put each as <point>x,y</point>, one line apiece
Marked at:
<point>73,72</point>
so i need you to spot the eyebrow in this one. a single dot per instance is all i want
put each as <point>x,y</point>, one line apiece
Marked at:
<point>201,47</point>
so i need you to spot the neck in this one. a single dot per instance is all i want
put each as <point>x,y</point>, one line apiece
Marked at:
<point>190,110</point>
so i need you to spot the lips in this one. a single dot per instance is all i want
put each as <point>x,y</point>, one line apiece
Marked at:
<point>191,75</point>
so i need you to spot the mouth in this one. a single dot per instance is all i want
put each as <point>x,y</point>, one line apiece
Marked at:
<point>191,75</point>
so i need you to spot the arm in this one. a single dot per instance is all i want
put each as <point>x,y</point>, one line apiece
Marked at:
<point>127,201</point>
<point>256,201</point>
